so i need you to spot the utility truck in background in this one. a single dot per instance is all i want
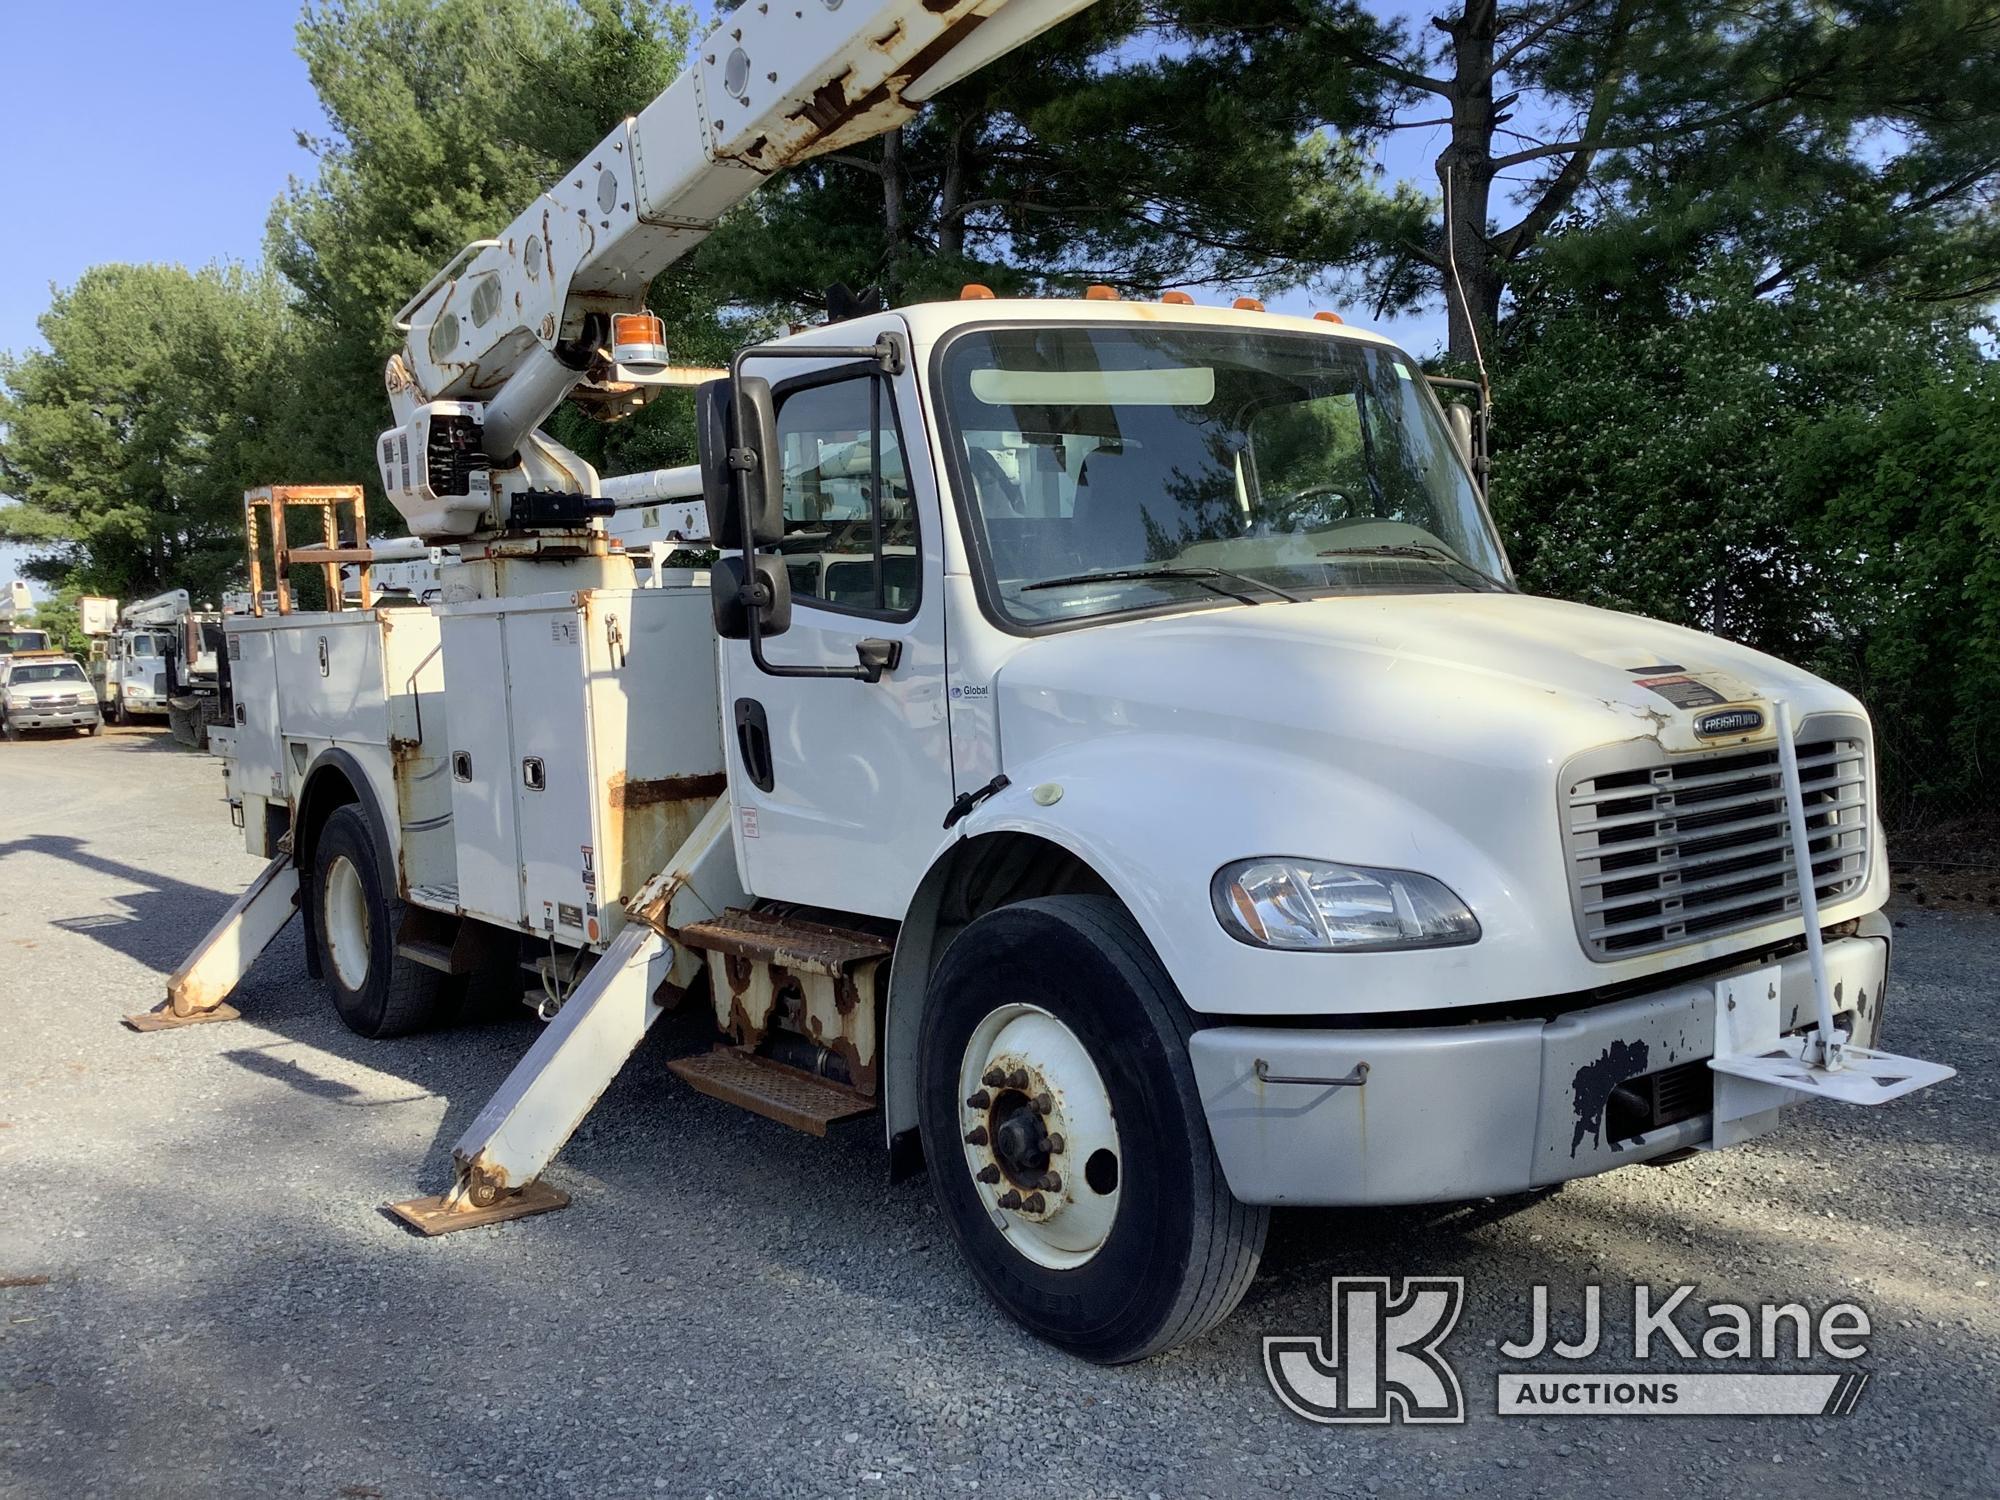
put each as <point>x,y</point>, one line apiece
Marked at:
<point>1109,756</point>
<point>130,652</point>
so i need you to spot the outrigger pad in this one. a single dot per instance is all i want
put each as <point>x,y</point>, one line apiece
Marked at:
<point>162,1018</point>
<point>1868,1076</point>
<point>429,1216</point>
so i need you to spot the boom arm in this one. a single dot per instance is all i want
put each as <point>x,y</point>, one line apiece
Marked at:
<point>512,326</point>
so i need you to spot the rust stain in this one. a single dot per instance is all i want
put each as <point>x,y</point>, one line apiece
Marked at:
<point>628,793</point>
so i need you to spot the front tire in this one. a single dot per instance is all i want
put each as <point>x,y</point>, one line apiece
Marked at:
<point>377,993</point>
<point>1058,1101</point>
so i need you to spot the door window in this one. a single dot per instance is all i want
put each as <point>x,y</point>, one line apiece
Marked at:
<point>850,523</point>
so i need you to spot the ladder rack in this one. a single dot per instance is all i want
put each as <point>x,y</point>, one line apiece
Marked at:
<point>335,503</point>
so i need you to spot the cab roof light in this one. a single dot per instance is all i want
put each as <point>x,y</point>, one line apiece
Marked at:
<point>972,291</point>
<point>1179,299</point>
<point>1247,304</point>
<point>1097,291</point>
<point>1326,317</point>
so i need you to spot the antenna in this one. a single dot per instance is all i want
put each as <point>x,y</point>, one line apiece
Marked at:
<point>1464,307</point>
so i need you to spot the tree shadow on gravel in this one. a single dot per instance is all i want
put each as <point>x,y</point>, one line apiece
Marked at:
<point>155,925</point>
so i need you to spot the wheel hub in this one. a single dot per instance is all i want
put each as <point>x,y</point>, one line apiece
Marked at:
<point>1019,1144</point>
<point>1035,1110</point>
<point>344,909</point>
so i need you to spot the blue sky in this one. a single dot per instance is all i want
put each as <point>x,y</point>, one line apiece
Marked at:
<point>140,131</point>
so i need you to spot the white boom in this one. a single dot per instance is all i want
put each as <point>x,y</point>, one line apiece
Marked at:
<point>513,325</point>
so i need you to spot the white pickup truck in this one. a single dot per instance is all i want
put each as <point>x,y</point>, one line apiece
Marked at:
<point>1111,755</point>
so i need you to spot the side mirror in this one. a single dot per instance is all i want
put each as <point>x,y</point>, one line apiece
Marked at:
<point>1459,415</point>
<point>763,481</point>
<point>773,589</point>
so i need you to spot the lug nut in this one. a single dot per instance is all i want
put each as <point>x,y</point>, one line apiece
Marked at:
<point>976,1136</point>
<point>1044,1103</point>
<point>1034,1204</point>
<point>1053,1144</point>
<point>1052,1181</point>
<point>980,1100</point>
<point>1018,1079</point>
<point>994,1079</point>
<point>1011,1199</point>
<point>988,1173</point>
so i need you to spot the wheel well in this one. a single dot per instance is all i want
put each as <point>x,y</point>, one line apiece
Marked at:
<point>979,875</point>
<point>325,789</point>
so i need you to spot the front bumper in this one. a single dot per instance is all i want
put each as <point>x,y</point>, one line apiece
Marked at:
<point>1455,1112</point>
<point>52,718</point>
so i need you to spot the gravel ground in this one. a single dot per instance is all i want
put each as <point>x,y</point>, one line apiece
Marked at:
<point>733,1309</point>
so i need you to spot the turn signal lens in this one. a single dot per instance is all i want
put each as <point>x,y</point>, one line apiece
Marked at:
<point>1315,906</point>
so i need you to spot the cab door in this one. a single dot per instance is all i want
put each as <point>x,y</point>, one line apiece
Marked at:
<point>841,785</point>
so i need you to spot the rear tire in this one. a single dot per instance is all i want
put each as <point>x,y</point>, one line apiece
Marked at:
<point>356,921</point>
<point>1067,990</point>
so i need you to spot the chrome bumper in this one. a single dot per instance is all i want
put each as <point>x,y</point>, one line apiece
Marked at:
<point>1446,1113</point>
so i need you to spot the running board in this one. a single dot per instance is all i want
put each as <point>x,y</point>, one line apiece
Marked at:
<point>771,1089</point>
<point>196,992</point>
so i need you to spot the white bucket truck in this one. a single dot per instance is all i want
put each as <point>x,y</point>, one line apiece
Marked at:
<point>1119,765</point>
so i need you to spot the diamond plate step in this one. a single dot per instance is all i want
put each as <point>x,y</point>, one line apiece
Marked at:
<point>789,942</point>
<point>770,1089</point>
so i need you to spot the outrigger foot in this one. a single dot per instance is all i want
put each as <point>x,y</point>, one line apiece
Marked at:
<point>443,1213</point>
<point>163,1017</point>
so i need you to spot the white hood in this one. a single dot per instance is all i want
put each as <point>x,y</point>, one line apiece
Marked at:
<point>1396,682</point>
<point>1416,732</point>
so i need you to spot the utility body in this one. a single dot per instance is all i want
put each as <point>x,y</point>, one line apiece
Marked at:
<point>1110,756</point>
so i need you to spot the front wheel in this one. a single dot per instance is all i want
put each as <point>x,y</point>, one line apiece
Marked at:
<point>377,993</point>
<point>1065,1136</point>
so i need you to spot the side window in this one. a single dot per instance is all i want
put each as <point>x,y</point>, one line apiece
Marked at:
<point>845,479</point>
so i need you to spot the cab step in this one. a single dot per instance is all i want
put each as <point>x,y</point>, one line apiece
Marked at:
<point>791,942</point>
<point>771,1089</point>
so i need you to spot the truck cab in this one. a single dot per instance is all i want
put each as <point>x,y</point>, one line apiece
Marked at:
<point>1210,642</point>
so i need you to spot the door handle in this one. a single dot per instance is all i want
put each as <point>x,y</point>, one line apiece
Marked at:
<point>877,656</point>
<point>753,740</point>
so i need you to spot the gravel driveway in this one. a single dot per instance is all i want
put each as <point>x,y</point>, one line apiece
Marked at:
<point>730,1308</point>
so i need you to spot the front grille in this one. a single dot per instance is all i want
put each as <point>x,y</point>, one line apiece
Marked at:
<point>1672,849</point>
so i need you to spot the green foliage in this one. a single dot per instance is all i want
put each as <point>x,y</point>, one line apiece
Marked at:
<point>60,618</point>
<point>1813,476</point>
<point>1143,145</point>
<point>129,441</point>
<point>447,117</point>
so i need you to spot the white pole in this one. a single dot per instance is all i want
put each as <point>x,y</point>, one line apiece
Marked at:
<point>1802,862</point>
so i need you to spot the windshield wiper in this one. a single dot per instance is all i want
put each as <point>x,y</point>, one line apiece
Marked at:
<point>1213,578</point>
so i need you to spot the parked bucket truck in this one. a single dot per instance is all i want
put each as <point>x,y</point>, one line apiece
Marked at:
<point>1111,759</point>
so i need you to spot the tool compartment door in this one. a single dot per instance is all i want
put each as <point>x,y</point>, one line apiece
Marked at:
<point>551,769</point>
<point>482,765</point>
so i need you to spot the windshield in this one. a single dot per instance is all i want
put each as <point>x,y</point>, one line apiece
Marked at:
<point>24,640</point>
<point>55,671</point>
<point>1117,469</point>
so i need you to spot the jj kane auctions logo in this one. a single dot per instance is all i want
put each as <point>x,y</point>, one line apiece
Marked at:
<point>1382,1358</point>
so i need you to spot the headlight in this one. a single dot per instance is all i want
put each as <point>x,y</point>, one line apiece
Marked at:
<point>1311,904</point>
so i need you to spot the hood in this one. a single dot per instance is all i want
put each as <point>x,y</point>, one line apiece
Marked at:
<point>1400,683</point>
